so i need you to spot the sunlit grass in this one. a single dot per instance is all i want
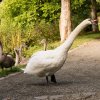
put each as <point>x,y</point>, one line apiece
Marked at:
<point>8,71</point>
<point>81,39</point>
<point>84,38</point>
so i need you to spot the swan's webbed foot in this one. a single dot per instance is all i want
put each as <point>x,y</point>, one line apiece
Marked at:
<point>53,78</point>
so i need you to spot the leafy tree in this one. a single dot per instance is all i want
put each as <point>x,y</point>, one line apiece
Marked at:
<point>30,20</point>
<point>19,19</point>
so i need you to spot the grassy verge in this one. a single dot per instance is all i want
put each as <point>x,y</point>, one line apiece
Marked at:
<point>8,71</point>
<point>82,38</point>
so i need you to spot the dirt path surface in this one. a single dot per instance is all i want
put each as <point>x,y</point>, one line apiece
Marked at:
<point>79,79</point>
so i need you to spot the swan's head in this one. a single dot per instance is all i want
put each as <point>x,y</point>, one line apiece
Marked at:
<point>44,41</point>
<point>91,21</point>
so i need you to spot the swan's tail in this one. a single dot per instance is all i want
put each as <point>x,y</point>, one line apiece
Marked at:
<point>23,69</point>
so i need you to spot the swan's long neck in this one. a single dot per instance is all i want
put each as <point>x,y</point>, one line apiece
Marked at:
<point>20,52</point>
<point>45,46</point>
<point>67,44</point>
<point>1,49</point>
<point>17,57</point>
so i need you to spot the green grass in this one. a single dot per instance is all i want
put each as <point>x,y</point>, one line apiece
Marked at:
<point>8,71</point>
<point>81,39</point>
<point>84,38</point>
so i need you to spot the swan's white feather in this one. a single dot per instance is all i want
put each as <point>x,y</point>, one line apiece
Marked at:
<point>44,63</point>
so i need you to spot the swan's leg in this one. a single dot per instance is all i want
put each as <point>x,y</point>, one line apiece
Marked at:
<point>47,79</point>
<point>53,78</point>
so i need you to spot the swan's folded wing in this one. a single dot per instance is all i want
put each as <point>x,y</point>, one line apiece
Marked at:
<point>44,55</point>
<point>42,58</point>
<point>42,63</point>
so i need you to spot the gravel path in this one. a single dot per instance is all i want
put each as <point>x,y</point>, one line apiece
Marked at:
<point>79,79</point>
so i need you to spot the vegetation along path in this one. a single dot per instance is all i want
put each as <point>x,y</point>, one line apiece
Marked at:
<point>79,79</point>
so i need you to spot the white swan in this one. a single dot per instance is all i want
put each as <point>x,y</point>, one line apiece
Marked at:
<point>47,63</point>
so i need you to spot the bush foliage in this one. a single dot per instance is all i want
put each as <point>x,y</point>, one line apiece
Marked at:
<point>29,21</point>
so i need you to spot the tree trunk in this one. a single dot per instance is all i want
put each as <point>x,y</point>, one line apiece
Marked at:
<point>94,16</point>
<point>65,20</point>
